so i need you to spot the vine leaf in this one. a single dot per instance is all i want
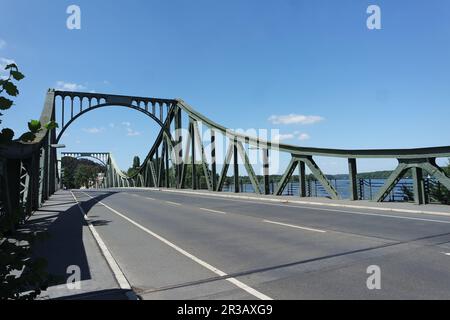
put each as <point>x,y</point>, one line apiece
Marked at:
<point>28,137</point>
<point>34,126</point>
<point>6,135</point>
<point>10,88</point>
<point>5,103</point>
<point>17,75</point>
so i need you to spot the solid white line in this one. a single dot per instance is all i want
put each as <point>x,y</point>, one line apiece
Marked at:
<point>118,274</point>
<point>294,226</point>
<point>149,198</point>
<point>236,282</point>
<point>174,203</point>
<point>213,211</point>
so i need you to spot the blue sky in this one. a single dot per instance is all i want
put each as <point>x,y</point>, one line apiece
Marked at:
<point>240,63</point>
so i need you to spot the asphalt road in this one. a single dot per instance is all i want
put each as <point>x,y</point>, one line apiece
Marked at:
<point>180,246</point>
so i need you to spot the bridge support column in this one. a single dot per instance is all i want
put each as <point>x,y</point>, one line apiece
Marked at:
<point>194,171</point>
<point>213,160</point>
<point>419,187</point>
<point>179,146</point>
<point>265,154</point>
<point>352,174</point>
<point>302,179</point>
<point>236,167</point>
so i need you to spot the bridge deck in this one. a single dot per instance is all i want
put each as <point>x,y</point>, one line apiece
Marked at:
<point>175,246</point>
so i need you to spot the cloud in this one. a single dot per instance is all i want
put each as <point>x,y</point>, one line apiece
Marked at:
<point>132,133</point>
<point>68,86</point>
<point>94,130</point>
<point>112,125</point>
<point>126,124</point>
<point>295,119</point>
<point>3,63</point>
<point>2,43</point>
<point>290,136</point>
<point>304,136</point>
<point>282,137</point>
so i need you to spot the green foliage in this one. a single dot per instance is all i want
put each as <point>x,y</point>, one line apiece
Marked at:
<point>79,173</point>
<point>7,86</point>
<point>135,168</point>
<point>21,276</point>
<point>85,174</point>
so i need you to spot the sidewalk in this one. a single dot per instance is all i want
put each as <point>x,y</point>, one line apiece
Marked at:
<point>433,209</point>
<point>71,243</point>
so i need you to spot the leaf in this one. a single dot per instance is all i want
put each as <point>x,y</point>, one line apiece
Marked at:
<point>6,135</point>
<point>27,137</point>
<point>5,104</point>
<point>34,126</point>
<point>17,75</point>
<point>10,88</point>
<point>11,66</point>
<point>51,125</point>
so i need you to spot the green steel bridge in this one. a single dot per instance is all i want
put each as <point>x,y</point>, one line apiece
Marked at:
<point>30,174</point>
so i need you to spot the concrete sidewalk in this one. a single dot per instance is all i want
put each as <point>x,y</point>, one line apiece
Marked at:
<point>70,243</point>
<point>432,209</point>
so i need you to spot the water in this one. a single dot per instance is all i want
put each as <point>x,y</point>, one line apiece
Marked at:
<point>367,189</point>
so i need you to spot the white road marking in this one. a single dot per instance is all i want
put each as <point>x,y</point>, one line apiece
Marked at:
<point>236,282</point>
<point>213,211</point>
<point>294,226</point>
<point>149,198</point>
<point>174,203</point>
<point>118,274</point>
<point>446,253</point>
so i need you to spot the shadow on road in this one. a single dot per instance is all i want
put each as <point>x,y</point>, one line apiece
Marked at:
<point>63,244</point>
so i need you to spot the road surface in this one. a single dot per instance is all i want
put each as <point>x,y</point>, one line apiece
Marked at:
<point>180,246</point>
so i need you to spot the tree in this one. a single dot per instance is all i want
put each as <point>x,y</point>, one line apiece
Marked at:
<point>85,175</point>
<point>79,172</point>
<point>135,168</point>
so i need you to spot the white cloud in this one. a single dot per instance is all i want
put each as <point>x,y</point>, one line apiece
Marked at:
<point>68,86</point>
<point>132,133</point>
<point>112,125</point>
<point>3,63</point>
<point>2,43</point>
<point>295,119</point>
<point>94,130</point>
<point>304,136</point>
<point>126,124</point>
<point>282,137</point>
<point>290,136</point>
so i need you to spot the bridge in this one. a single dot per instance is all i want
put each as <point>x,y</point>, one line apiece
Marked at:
<point>234,245</point>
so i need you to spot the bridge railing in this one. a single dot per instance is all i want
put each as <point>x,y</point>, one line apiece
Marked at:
<point>28,172</point>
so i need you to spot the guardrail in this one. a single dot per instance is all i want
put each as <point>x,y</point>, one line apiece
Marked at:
<point>28,171</point>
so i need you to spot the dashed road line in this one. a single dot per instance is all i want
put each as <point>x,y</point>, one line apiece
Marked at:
<point>174,203</point>
<point>217,271</point>
<point>213,211</point>
<point>294,226</point>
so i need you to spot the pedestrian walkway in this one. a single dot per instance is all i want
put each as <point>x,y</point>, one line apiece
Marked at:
<point>71,246</point>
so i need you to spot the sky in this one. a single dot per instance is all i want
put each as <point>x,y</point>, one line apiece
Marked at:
<point>311,69</point>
